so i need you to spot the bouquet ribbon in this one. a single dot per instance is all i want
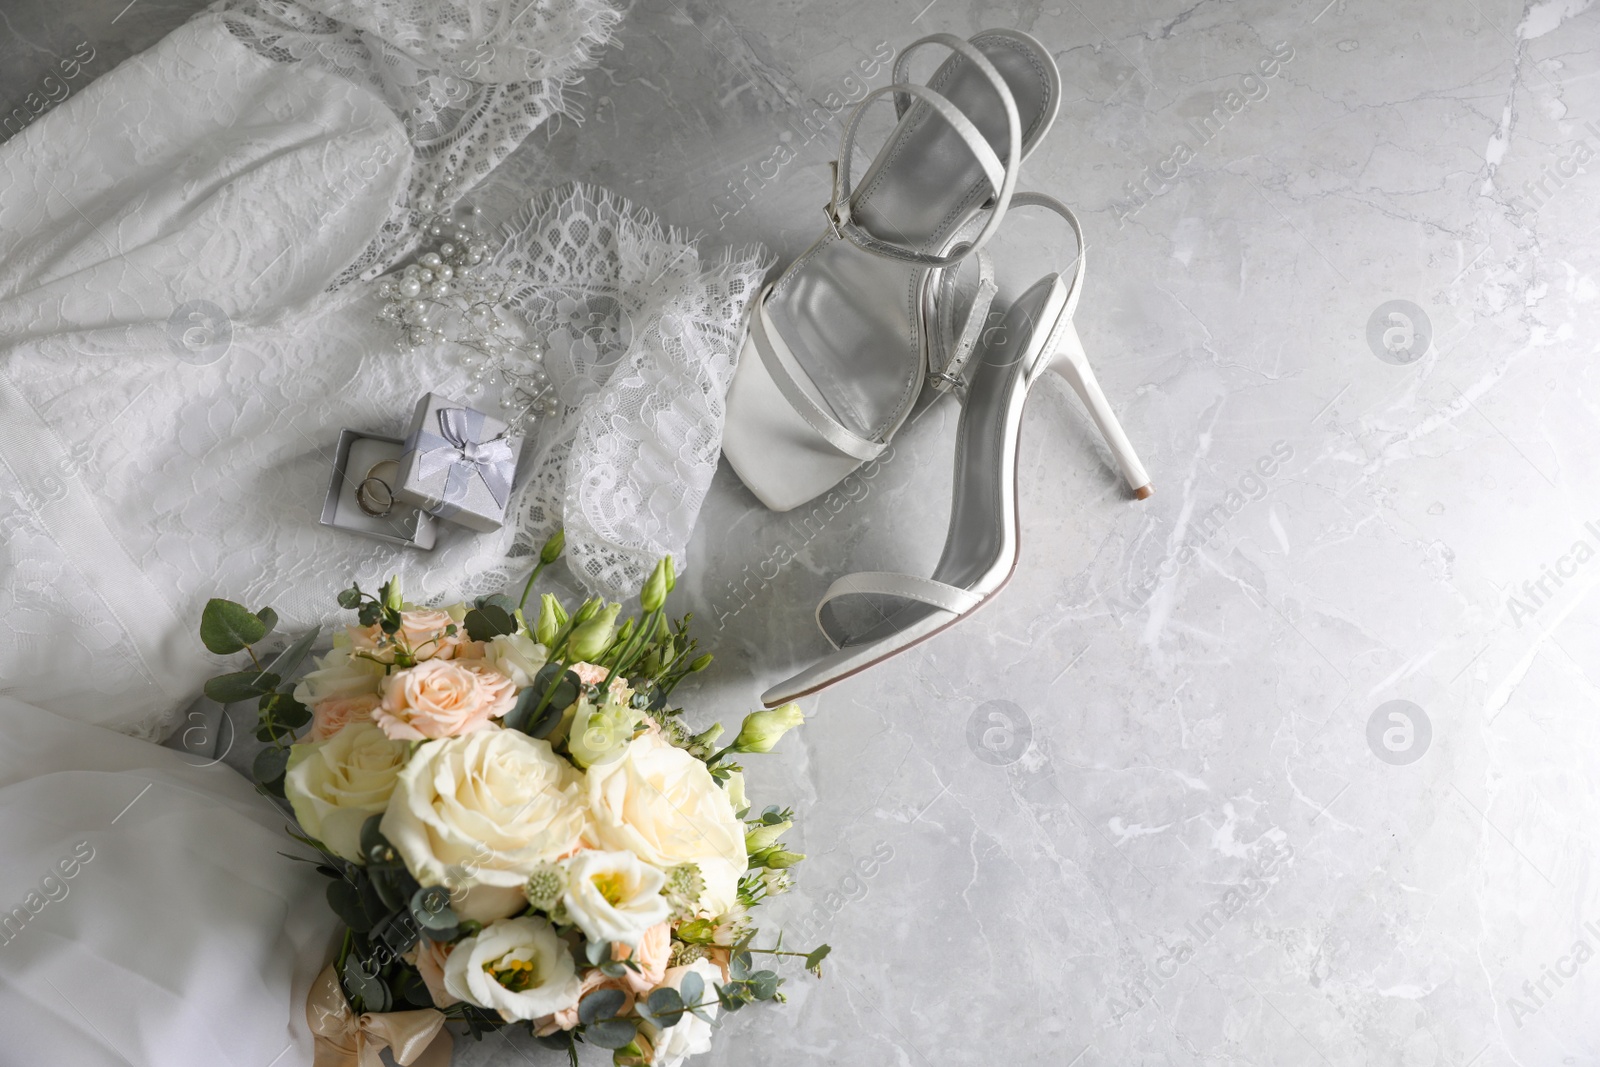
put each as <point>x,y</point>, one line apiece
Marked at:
<point>345,1039</point>
<point>459,448</point>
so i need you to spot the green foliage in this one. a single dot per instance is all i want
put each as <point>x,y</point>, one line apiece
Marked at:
<point>226,627</point>
<point>488,621</point>
<point>241,685</point>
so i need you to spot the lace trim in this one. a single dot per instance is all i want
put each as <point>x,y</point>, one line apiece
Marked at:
<point>641,337</point>
<point>468,79</point>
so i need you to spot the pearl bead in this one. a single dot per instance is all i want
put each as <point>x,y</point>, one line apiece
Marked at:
<point>440,291</point>
<point>447,249</point>
<point>418,308</point>
<point>411,287</point>
<point>424,276</point>
<point>445,273</point>
<point>431,259</point>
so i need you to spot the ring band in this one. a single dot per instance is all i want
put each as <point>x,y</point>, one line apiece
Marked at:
<point>375,495</point>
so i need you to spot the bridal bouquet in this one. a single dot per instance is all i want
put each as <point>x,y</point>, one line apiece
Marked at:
<point>517,826</point>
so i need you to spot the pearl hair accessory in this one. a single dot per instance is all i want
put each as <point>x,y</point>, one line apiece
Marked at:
<point>449,294</point>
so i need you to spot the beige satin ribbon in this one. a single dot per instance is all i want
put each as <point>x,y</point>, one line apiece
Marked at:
<point>345,1039</point>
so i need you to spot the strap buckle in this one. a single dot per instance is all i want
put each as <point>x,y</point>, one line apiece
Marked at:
<point>946,382</point>
<point>838,215</point>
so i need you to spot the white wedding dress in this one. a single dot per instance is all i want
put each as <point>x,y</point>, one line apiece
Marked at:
<point>185,249</point>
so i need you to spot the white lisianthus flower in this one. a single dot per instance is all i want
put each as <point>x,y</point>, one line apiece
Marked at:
<point>691,1035</point>
<point>480,812</point>
<point>518,967</point>
<point>339,674</point>
<point>336,785</point>
<point>661,804</point>
<point>517,656</point>
<point>614,897</point>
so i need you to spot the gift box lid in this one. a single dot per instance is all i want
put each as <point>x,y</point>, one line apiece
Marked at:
<point>459,463</point>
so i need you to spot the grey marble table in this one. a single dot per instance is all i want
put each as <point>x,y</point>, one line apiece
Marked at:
<point>1297,762</point>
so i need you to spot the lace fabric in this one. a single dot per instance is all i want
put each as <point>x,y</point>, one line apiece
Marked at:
<point>468,79</point>
<point>641,337</point>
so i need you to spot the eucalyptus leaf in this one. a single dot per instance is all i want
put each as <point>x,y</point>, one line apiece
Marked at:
<point>430,907</point>
<point>361,982</point>
<point>691,988</point>
<point>601,1004</point>
<point>491,620</point>
<point>611,1033</point>
<point>350,598</point>
<point>241,685</point>
<point>517,717</point>
<point>814,960</point>
<point>739,965</point>
<point>597,951</point>
<point>288,661</point>
<point>269,619</point>
<point>763,984</point>
<point>269,765</point>
<point>666,1006</point>
<point>498,600</point>
<point>227,627</point>
<point>345,900</point>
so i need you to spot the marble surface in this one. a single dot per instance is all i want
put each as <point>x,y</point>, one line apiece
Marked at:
<point>1297,762</point>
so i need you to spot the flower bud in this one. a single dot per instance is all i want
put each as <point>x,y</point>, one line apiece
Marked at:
<point>762,729</point>
<point>391,594</point>
<point>701,662</point>
<point>778,859</point>
<point>552,617</point>
<point>552,548</point>
<point>592,637</point>
<point>760,838</point>
<point>657,586</point>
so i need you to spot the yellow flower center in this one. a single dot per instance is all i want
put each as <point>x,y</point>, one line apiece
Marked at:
<point>514,974</point>
<point>611,887</point>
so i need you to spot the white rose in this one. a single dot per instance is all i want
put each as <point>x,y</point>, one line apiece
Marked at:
<point>336,785</point>
<point>518,967</point>
<point>661,804</point>
<point>517,656</point>
<point>613,897</point>
<point>690,1036</point>
<point>339,674</point>
<point>478,813</point>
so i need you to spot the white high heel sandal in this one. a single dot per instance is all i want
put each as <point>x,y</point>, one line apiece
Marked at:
<point>838,350</point>
<point>980,552</point>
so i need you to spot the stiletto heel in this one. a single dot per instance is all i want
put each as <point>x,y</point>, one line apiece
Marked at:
<point>1070,361</point>
<point>991,373</point>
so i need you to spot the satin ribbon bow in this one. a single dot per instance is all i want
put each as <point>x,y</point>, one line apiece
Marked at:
<point>345,1039</point>
<point>458,448</point>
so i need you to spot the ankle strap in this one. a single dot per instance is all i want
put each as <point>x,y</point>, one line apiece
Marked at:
<point>961,346</point>
<point>1002,177</point>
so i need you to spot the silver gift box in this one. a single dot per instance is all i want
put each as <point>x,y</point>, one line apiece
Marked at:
<point>458,463</point>
<point>356,455</point>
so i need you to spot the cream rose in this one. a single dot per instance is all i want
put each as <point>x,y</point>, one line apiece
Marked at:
<point>439,698</point>
<point>651,954</point>
<point>661,804</point>
<point>339,674</point>
<point>422,631</point>
<point>477,814</point>
<point>518,967</point>
<point>691,1035</point>
<point>330,716</point>
<point>611,896</point>
<point>336,785</point>
<point>517,656</point>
